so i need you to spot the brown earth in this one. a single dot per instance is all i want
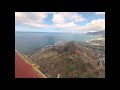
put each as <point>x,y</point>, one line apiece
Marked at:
<point>63,60</point>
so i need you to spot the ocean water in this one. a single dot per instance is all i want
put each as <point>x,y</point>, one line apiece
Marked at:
<point>29,42</point>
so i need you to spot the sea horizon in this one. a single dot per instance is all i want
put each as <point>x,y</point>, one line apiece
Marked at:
<point>28,42</point>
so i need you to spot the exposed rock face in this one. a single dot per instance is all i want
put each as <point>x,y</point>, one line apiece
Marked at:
<point>61,61</point>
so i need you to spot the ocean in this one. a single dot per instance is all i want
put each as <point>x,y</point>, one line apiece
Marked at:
<point>29,42</point>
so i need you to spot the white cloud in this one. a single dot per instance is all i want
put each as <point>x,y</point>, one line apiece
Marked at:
<point>58,18</point>
<point>64,17</point>
<point>36,25</point>
<point>94,25</point>
<point>76,17</point>
<point>20,17</point>
<point>34,19</point>
<point>66,25</point>
<point>64,21</point>
<point>100,13</point>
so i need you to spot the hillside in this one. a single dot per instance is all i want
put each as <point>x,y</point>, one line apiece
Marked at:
<point>96,33</point>
<point>61,60</point>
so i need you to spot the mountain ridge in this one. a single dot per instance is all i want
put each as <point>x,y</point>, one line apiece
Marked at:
<point>102,32</point>
<point>62,59</point>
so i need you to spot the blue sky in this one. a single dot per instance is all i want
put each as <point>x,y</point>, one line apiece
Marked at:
<point>72,22</point>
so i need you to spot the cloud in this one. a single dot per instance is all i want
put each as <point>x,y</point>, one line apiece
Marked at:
<point>35,25</point>
<point>66,25</point>
<point>20,17</point>
<point>94,25</point>
<point>100,13</point>
<point>98,24</point>
<point>58,18</point>
<point>65,17</point>
<point>64,21</point>
<point>35,19</point>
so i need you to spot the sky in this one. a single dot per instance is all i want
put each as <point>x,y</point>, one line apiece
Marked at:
<point>67,22</point>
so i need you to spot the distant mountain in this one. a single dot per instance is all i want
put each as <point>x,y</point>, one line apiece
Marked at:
<point>96,33</point>
<point>61,59</point>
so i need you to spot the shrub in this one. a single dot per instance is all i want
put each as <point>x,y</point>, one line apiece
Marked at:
<point>66,59</point>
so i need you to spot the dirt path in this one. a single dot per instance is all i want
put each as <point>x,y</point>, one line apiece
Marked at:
<point>93,61</point>
<point>88,57</point>
<point>24,69</point>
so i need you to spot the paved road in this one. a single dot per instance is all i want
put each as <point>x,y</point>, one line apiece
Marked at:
<point>24,69</point>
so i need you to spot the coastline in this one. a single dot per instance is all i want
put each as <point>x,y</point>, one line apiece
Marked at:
<point>98,38</point>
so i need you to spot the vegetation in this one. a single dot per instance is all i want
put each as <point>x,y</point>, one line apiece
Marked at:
<point>76,68</point>
<point>66,59</point>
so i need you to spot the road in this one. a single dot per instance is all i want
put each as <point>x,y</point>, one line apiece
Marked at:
<point>24,69</point>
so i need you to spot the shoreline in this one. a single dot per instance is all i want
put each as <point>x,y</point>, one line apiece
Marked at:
<point>59,43</point>
<point>98,38</point>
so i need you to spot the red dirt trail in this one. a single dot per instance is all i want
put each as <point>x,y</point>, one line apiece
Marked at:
<point>23,69</point>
